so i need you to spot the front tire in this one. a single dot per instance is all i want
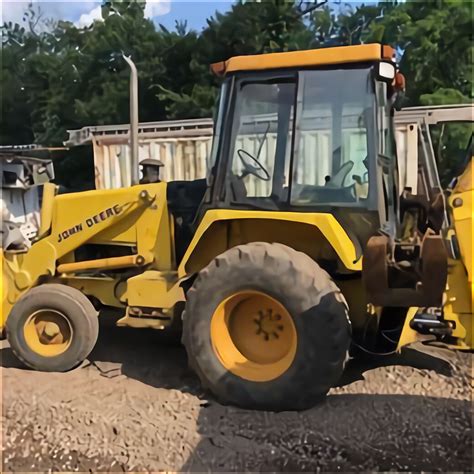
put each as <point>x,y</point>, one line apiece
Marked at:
<point>52,328</point>
<point>265,327</point>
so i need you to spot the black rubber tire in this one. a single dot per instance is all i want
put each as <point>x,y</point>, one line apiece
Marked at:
<point>318,309</point>
<point>75,306</point>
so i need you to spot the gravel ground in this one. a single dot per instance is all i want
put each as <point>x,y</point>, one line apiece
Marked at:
<point>135,406</point>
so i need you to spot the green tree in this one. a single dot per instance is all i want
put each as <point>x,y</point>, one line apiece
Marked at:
<point>16,108</point>
<point>187,90</point>
<point>347,26</point>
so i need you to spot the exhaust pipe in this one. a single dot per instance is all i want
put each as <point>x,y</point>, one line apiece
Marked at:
<point>133,119</point>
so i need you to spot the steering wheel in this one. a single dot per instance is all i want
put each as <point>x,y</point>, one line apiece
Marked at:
<point>338,179</point>
<point>259,171</point>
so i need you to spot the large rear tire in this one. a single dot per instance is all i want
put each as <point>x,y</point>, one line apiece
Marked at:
<point>52,328</point>
<point>265,327</point>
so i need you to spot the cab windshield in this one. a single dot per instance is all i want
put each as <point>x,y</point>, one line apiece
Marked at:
<point>303,139</point>
<point>335,137</point>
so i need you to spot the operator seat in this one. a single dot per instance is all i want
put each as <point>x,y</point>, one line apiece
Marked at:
<point>184,200</point>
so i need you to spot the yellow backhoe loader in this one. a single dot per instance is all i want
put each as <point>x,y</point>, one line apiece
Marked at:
<point>291,249</point>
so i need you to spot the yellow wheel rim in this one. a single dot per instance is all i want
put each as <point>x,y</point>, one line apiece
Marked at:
<point>253,336</point>
<point>48,332</point>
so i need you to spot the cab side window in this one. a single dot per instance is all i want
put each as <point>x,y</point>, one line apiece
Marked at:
<point>261,141</point>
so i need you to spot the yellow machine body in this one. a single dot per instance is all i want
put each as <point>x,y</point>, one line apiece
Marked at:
<point>459,295</point>
<point>460,203</point>
<point>137,221</point>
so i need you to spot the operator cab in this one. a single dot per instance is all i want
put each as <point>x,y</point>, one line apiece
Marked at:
<point>306,131</point>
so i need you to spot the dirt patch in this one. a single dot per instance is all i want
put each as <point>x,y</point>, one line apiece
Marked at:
<point>136,406</point>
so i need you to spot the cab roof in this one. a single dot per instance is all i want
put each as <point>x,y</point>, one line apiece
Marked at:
<point>307,58</point>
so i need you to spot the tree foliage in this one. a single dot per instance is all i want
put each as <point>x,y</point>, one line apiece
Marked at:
<point>57,76</point>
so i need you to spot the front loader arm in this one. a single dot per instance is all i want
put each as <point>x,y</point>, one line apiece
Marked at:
<point>79,218</point>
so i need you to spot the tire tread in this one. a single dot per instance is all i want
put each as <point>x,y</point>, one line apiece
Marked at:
<point>315,284</point>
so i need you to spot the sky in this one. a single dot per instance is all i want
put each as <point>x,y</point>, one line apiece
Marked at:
<point>166,12</point>
<point>84,12</point>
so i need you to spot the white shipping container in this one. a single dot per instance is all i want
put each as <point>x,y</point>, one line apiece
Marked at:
<point>183,159</point>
